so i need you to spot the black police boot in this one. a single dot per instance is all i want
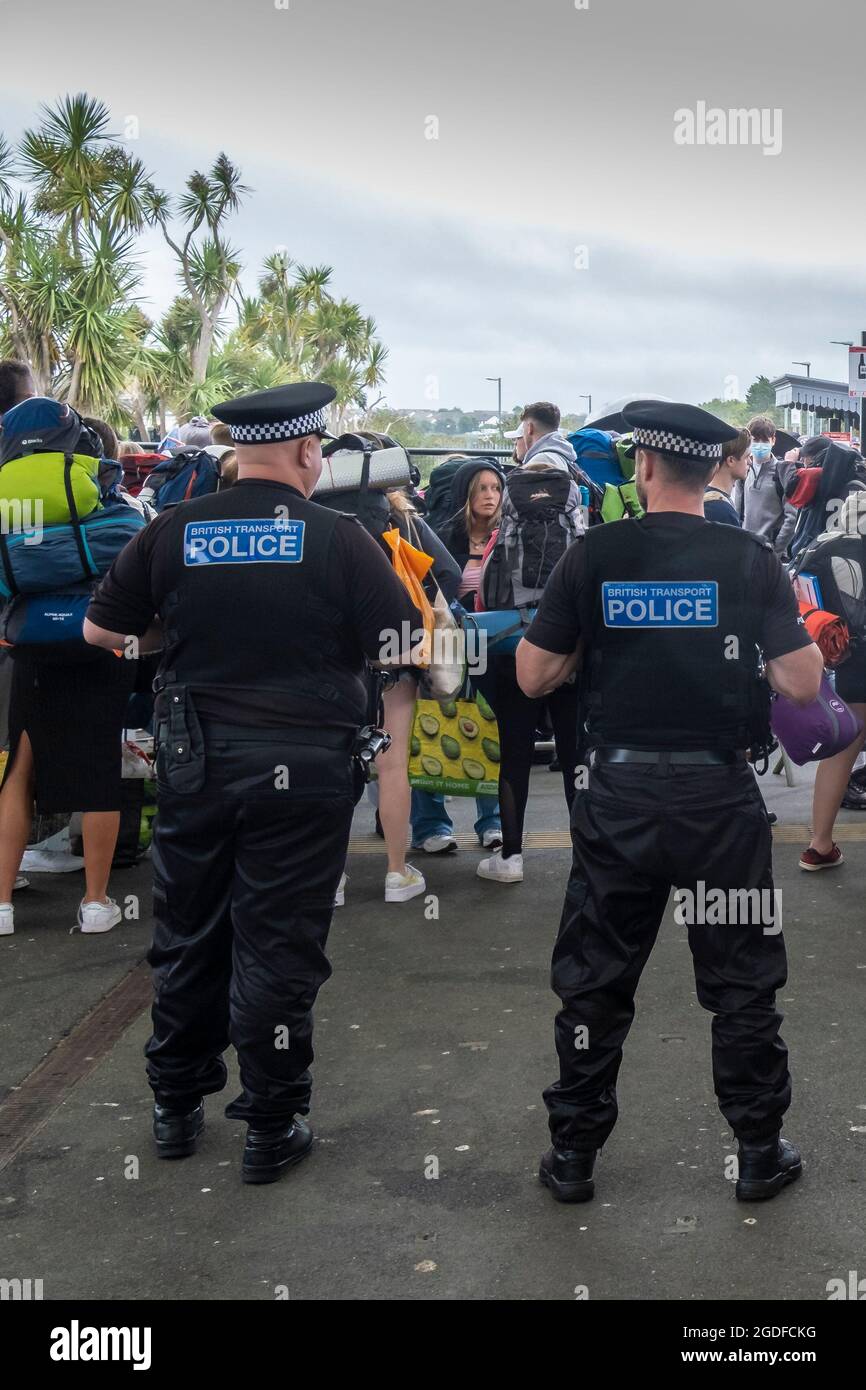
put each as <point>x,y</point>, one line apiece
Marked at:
<point>765,1168</point>
<point>269,1152</point>
<point>568,1174</point>
<point>176,1134</point>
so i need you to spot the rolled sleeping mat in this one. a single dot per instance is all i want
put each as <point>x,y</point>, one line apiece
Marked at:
<point>342,470</point>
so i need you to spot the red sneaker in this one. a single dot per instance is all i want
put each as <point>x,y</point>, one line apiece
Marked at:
<point>812,860</point>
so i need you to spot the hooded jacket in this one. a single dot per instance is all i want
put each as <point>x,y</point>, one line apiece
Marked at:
<point>760,501</point>
<point>551,451</point>
<point>453,531</point>
<point>841,473</point>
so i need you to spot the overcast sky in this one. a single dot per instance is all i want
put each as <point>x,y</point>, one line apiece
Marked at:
<point>556,126</point>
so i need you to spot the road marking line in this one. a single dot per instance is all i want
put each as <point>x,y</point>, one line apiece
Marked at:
<point>28,1107</point>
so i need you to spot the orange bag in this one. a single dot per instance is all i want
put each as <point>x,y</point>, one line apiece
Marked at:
<point>410,566</point>
<point>828,632</point>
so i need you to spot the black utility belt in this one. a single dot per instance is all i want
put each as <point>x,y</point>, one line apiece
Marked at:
<point>696,757</point>
<point>310,735</point>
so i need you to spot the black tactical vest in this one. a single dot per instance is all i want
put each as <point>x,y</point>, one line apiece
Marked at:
<point>251,621</point>
<point>671,636</point>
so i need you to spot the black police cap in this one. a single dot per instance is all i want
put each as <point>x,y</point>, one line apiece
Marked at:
<point>671,428</point>
<point>283,412</point>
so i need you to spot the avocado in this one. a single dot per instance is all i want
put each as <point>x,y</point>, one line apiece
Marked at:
<point>414,746</point>
<point>474,771</point>
<point>429,725</point>
<point>450,747</point>
<point>483,708</point>
<point>431,766</point>
<point>448,708</point>
<point>491,749</point>
<point>467,727</point>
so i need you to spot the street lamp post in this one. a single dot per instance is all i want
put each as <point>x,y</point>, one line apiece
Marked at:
<point>498,380</point>
<point>588,400</point>
<point>807,365</point>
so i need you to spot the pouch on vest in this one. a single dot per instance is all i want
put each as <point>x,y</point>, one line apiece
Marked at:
<point>180,756</point>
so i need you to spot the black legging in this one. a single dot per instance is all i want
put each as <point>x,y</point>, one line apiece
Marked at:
<point>518,718</point>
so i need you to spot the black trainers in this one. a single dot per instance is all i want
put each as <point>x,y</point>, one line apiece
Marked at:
<point>269,1153</point>
<point>176,1135</point>
<point>568,1174</point>
<point>764,1169</point>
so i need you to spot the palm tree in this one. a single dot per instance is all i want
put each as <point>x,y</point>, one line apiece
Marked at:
<point>208,269</point>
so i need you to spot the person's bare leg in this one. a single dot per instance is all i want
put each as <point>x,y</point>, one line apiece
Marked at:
<point>99,831</point>
<point>831,780</point>
<point>16,816</point>
<point>395,796</point>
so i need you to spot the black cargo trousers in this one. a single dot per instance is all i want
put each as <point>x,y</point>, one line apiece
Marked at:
<point>245,872</point>
<point>637,831</point>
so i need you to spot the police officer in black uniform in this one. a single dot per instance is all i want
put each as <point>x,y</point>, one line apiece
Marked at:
<point>665,617</point>
<point>266,605</point>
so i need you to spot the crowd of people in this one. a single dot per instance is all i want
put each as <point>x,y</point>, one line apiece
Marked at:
<point>64,716</point>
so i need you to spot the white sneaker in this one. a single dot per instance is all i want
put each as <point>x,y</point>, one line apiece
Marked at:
<point>491,839</point>
<point>508,870</point>
<point>399,888</point>
<point>51,861</point>
<point>7,919</point>
<point>20,882</point>
<point>437,844</point>
<point>99,917</point>
<point>340,895</point>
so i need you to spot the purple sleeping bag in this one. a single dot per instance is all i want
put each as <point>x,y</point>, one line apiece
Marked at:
<point>810,732</point>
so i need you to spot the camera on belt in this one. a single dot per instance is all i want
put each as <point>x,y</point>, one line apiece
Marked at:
<point>369,743</point>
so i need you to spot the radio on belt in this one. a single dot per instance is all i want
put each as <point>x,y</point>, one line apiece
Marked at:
<point>660,603</point>
<point>252,541</point>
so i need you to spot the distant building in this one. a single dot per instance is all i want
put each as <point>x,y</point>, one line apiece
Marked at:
<point>814,406</point>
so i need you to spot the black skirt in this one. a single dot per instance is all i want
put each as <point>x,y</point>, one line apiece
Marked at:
<point>74,715</point>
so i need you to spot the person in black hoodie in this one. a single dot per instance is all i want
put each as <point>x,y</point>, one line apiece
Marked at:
<point>474,509</point>
<point>476,504</point>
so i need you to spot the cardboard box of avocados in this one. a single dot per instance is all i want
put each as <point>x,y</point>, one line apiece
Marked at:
<point>455,748</point>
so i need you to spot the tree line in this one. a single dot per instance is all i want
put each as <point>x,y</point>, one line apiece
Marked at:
<point>74,204</point>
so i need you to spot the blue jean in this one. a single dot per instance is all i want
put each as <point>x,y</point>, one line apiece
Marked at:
<point>429,816</point>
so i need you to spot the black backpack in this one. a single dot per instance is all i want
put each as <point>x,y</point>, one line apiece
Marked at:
<point>541,516</point>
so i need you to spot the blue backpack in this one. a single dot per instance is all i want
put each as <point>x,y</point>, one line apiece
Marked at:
<point>191,473</point>
<point>597,456</point>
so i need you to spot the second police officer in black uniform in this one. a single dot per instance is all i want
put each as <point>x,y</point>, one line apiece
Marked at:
<point>665,615</point>
<point>267,605</point>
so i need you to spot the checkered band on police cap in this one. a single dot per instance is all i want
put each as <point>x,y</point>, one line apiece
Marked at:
<point>311,423</point>
<point>669,443</point>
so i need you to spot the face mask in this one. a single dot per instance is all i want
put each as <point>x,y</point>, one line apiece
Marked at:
<point>760,452</point>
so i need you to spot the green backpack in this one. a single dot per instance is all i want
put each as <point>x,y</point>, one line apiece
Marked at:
<point>54,483</point>
<point>620,499</point>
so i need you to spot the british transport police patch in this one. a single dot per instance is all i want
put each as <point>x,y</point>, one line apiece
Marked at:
<point>660,603</point>
<point>271,540</point>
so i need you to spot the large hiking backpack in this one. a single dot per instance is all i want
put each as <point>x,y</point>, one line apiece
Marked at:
<point>191,473</point>
<point>833,571</point>
<point>50,488</point>
<point>541,516</point>
<point>369,505</point>
<point>596,456</point>
<point>137,468</point>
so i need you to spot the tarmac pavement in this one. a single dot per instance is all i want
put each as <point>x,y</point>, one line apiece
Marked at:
<point>433,1042</point>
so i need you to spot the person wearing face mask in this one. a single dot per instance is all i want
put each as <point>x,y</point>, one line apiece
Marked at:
<point>760,497</point>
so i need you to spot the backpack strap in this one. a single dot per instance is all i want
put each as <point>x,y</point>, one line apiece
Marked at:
<point>7,566</point>
<point>86,570</point>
